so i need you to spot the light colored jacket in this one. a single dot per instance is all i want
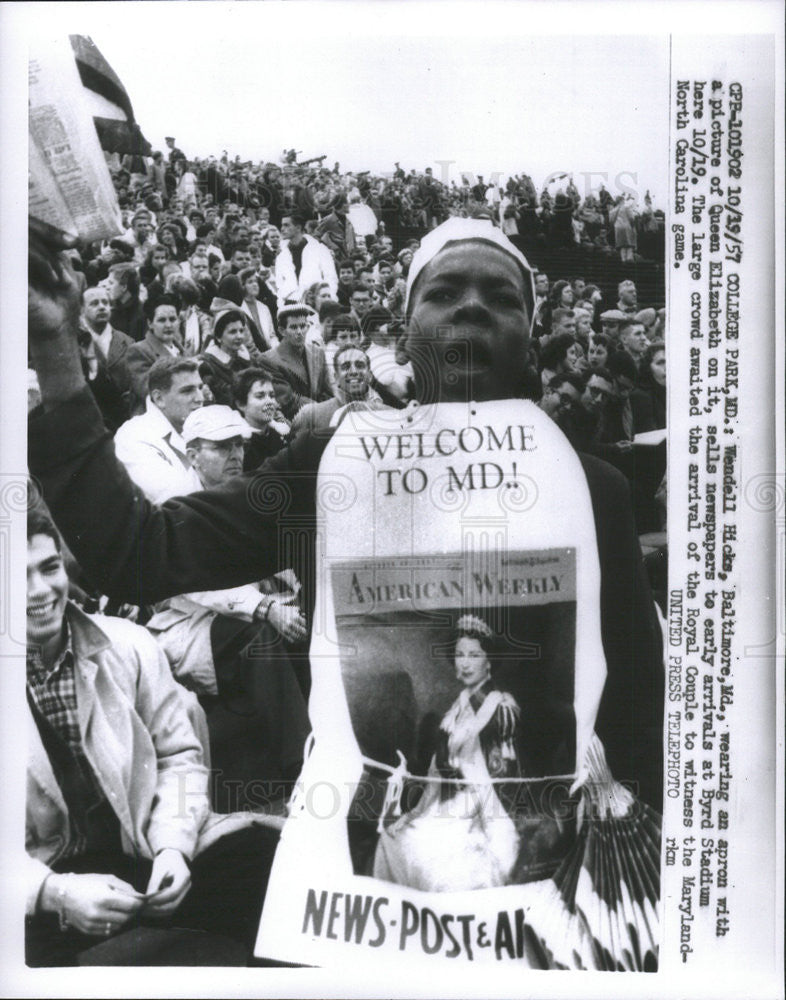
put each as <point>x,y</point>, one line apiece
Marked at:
<point>150,449</point>
<point>138,735</point>
<point>316,265</point>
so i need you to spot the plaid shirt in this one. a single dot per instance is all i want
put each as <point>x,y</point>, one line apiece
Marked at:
<point>54,695</point>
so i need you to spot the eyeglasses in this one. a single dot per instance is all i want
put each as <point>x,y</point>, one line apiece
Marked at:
<point>597,393</point>
<point>225,447</point>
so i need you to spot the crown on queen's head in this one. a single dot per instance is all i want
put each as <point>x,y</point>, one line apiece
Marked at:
<point>471,623</point>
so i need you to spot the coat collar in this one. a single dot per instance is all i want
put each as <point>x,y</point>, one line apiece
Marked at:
<point>87,639</point>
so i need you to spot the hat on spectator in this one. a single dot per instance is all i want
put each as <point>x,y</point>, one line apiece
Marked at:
<point>457,230</point>
<point>294,309</point>
<point>215,423</point>
<point>612,316</point>
<point>647,317</point>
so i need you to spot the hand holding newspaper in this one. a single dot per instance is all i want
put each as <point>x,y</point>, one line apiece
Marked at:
<point>69,183</point>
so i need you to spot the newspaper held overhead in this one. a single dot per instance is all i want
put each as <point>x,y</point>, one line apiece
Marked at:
<point>69,183</point>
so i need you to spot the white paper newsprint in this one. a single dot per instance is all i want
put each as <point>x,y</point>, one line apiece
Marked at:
<point>69,183</point>
<point>464,632</point>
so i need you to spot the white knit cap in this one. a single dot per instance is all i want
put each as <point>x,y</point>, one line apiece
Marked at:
<point>458,231</point>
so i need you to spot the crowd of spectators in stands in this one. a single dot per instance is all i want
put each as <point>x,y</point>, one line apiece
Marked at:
<point>279,268</point>
<point>243,304</point>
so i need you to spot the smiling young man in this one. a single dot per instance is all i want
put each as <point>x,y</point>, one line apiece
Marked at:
<point>112,754</point>
<point>353,385</point>
<point>470,299</point>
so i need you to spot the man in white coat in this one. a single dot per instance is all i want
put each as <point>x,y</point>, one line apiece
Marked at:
<point>303,261</point>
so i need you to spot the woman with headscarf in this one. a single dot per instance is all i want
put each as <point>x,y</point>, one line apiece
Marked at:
<point>226,355</point>
<point>459,835</point>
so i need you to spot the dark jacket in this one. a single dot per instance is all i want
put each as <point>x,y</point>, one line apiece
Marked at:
<point>295,388</point>
<point>129,318</point>
<point>141,358</point>
<point>112,385</point>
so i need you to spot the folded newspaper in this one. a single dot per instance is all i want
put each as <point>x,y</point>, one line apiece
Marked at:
<point>69,183</point>
<point>456,806</point>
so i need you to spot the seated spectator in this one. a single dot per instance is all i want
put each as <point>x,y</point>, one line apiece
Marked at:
<point>583,324</point>
<point>255,398</point>
<point>580,363</point>
<point>593,295</point>
<point>110,846</point>
<point>616,429</point>
<point>162,340</point>
<point>541,316</point>
<point>105,354</point>
<point>215,267</point>
<point>633,340</point>
<point>195,324</point>
<point>127,314</point>
<point>610,321</point>
<point>346,283</point>
<point>260,320</point>
<point>649,320</point>
<point>329,311</point>
<point>271,246</point>
<point>558,356</point>
<point>353,385</point>
<point>392,380</point>
<point>298,369</point>
<point>226,355</point>
<point>344,332</point>
<point>197,267</point>
<point>150,445</point>
<point>155,259</point>
<point>627,297</point>
<point>582,423</point>
<point>362,219</point>
<point>172,236</point>
<point>598,352</point>
<point>360,302</point>
<point>228,647</point>
<point>560,396</point>
<point>318,293</point>
<point>652,386</point>
<point>163,284</point>
<point>562,296</point>
<point>563,321</point>
<point>140,236</point>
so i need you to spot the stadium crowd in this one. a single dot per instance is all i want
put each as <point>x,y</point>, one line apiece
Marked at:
<point>245,307</point>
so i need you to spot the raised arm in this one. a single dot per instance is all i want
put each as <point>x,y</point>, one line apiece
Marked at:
<point>130,549</point>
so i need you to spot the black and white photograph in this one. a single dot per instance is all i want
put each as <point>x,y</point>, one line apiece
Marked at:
<point>401,504</point>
